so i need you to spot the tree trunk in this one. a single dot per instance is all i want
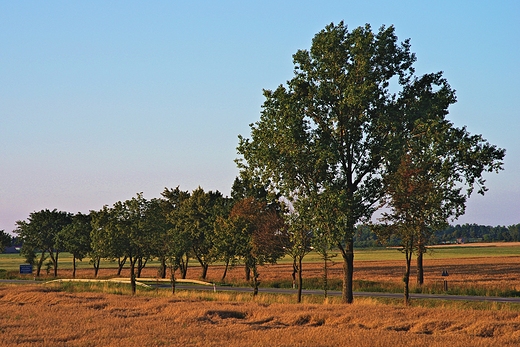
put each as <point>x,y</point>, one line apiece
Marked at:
<point>140,265</point>
<point>204,270</point>
<point>40,264</point>
<point>294,272</point>
<point>55,261</point>
<point>347,295</point>
<point>248,273</point>
<point>172,278</point>
<point>255,280</point>
<point>132,275</point>
<point>73,266</point>
<point>96,266</point>
<point>225,271</point>
<point>203,265</point>
<point>420,269</point>
<point>406,278</point>
<point>183,266</point>
<point>300,279</point>
<point>120,263</point>
<point>162,268</point>
<point>325,275</point>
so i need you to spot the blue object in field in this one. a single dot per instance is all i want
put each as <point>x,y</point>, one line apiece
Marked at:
<point>26,269</point>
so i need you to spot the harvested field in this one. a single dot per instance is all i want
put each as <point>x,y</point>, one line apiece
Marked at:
<point>45,316</point>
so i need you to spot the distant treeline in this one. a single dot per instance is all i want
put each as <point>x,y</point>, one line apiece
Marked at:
<point>466,233</point>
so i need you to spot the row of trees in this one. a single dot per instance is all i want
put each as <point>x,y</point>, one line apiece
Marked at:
<point>466,233</point>
<point>202,225</point>
<point>478,233</point>
<point>353,131</point>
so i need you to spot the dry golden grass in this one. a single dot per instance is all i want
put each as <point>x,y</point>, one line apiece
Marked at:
<point>45,316</point>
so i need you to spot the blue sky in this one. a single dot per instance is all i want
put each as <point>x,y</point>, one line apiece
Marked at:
<point>100,100</point>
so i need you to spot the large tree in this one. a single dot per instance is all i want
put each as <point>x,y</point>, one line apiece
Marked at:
<point>326,131</point>
<point>438,168</point>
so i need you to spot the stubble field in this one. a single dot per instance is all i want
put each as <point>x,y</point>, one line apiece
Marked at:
<point>46,316</point>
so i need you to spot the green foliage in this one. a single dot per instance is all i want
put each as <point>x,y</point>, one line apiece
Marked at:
<point>75,237</point>
<point>130,230</point>
<point>322,140</point>
<point>5,240</point>
<point>477,233</point>
<point>177,242</point>
<point>196,217</point>
<point>41,233</point>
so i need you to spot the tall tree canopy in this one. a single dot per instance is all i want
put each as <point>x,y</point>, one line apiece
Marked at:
<point>326,132</point>
<point>327,138</point>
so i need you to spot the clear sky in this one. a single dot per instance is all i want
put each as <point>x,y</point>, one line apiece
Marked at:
<point>100,100</point>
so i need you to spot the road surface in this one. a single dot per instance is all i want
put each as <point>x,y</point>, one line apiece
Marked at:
<point>316,292</point>
<point>356,294</point>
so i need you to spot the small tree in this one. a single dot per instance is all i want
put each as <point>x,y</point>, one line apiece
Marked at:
<point>197,216</point>
<point>103,237</point>
<point>228,243</point>
<point>300,244</point>
<point>124,231</point>
<point>416,210</point>
<point>75,238</point>
<point>263,233</point>
<point>436,162</point>
<point>173,199</point>
<point>176,246</point>
<point>106,240</point>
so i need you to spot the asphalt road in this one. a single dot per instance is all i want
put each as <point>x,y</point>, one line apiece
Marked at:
<point>316,292</point>
<point>356,294</point>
